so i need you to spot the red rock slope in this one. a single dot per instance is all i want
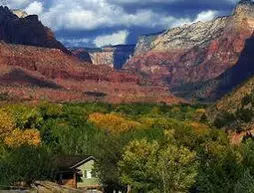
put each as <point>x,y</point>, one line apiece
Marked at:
<point>33,73</point>
<point>35,66</point>
<point>188,56</point>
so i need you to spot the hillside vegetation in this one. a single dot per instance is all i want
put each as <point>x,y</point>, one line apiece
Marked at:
<point>235,111</point>
<point>152,148</point>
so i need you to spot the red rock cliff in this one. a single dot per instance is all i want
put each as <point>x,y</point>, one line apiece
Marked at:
<point>188,56</point>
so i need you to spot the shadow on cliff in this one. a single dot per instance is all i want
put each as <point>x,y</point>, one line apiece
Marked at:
<point>243,70</point>
<point>18,76</point>
<point>122,54</point>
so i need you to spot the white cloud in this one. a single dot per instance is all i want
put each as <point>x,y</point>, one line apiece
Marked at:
<point>206,16</point>
<point>79,42</point>
<point>119,37</point>
<point>94,14</point>
<point>141,2</point>
<point>15,4</point>
<point>97,14</point>
<point>35,7</point>
<point>203,16</point>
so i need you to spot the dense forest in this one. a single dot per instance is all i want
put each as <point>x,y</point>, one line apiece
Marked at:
<point>152,148</point>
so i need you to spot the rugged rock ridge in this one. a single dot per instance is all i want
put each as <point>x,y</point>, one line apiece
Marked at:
<point>231,78</point>
<point>188,56</point>
<point>26,30</point>
<point>145,43</point>
<point>35,66</point>
<point>35,73</point>
<point>112,56</point>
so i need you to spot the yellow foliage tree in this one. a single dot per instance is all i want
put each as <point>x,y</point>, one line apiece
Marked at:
<point>112,123</point>
<point>7,124</point>
<point>19,137</point>
<point>199,128</point>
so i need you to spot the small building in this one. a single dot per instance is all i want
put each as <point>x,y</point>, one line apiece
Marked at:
<point>77,172</point>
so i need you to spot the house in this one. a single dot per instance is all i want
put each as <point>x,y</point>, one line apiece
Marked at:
<point>77,172</point>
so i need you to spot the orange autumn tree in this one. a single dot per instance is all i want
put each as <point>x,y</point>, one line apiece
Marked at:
<point>15,137</point>
<point>19,137</point>
<point>113,123</point>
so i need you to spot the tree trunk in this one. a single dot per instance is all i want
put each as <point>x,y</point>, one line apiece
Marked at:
<point>128,188</point>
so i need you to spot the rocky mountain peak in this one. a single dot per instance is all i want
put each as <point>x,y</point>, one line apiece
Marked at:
<point>18,28</point>
<point>244,8</point>
<point>20,13</point>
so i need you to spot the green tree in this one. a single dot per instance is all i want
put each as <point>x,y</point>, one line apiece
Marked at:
<point>219,168</point>
<point>245,184</point>
<point>176,169</point>
<point>138,166</point>
<point>149,166</point>
<point>26,164</point>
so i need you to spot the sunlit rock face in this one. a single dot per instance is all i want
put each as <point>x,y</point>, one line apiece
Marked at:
<point>188,56</point>
<point>111,56</point>
<point>20,13</point>
<point>245,8</point>
<point>34,66</point>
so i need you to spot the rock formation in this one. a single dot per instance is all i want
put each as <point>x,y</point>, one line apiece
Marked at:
<point>26,30</point>
<point>35,66</point>
<point>20,13</point>
<point>187,57</point>
<point>35,73</point>
<point>112,56</point>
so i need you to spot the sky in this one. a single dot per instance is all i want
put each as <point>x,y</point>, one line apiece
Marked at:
<point>97,23</point>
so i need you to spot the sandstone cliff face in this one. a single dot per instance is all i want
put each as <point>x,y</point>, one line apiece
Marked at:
<point>35,73</point>
<point>188,56</point>
<point>35,66</point>
<point>112,56</point>
<point>231,78</point>
<point>27,30</point>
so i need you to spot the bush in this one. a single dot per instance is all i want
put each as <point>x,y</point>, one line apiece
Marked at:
<point>244,115</point>
<point>224,119</point>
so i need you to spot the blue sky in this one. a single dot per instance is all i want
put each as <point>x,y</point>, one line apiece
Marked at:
<point>95,23</point>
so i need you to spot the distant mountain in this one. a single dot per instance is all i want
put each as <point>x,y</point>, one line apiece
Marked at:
<point>35,66</point>
<point>191,58</point>
<point>112,56</point>
<point>35,73</point>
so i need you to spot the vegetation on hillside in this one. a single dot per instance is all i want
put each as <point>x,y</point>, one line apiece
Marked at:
<point>238,117</point>
<point>151,148</point>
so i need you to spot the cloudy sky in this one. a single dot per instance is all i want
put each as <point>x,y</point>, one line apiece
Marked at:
<point>95,23</point>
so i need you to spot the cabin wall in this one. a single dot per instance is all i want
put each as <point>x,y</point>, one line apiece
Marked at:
<point>87,181</point>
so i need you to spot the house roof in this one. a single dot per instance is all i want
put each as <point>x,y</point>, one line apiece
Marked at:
<point>71,162</point>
